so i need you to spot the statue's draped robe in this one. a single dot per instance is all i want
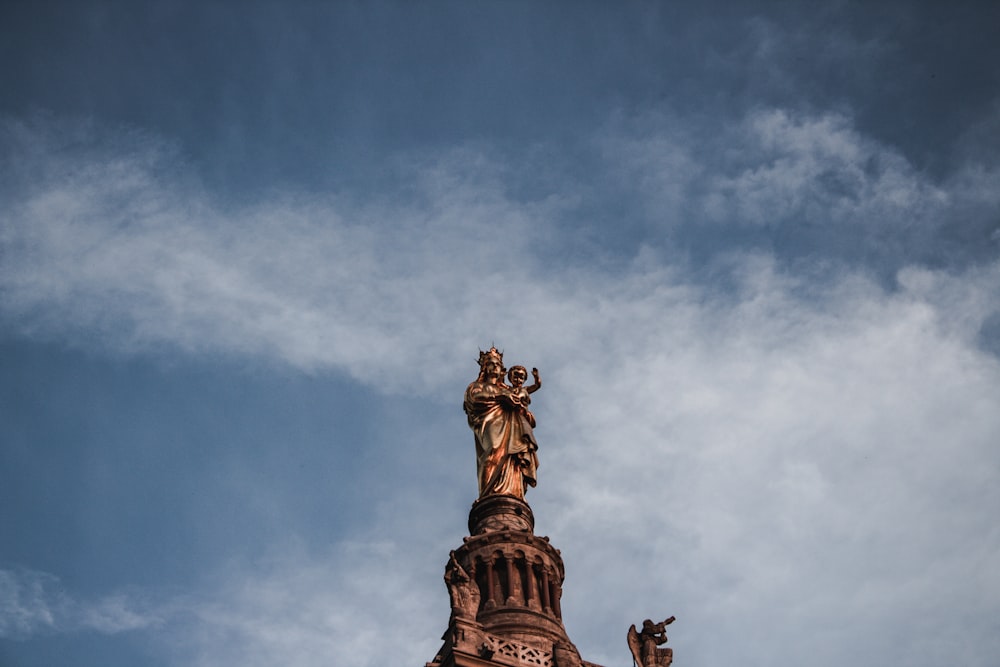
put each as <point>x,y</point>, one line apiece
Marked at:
<point>505,444</point>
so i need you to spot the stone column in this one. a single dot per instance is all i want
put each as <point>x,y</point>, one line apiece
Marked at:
<point>531,585</point>
<point>546,604</point>
<point>491,594</point>
<point>511,598</point>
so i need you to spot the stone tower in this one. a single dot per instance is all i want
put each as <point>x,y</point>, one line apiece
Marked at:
<point>505,585</point>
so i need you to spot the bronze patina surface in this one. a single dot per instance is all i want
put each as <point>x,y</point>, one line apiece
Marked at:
<point>498,414</point>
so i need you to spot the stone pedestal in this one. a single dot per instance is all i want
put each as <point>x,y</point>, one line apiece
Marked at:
<point>517,579</point>
<point>497,513</point>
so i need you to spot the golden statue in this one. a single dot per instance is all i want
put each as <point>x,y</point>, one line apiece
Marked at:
<point>506,459</point>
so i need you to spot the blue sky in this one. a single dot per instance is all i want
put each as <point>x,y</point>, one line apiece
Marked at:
<point>249,253</point>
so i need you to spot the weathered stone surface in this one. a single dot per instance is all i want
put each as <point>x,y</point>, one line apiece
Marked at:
<point>505,585</point>
<point>644,643</point>
<point>498,513</point>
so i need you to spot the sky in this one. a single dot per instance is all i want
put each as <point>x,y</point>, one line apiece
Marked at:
<point>249,253</point>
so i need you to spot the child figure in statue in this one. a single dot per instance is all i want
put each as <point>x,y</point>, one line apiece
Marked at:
<point>521,398</point>
<point>521,394</point>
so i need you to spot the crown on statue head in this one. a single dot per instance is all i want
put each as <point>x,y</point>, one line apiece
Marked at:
<point>492,353</point>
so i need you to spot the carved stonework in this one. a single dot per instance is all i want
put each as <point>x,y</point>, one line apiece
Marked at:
<point>644,645</point>
<point>566,655</point>
<point>515,653</point>
<point>462,589</point>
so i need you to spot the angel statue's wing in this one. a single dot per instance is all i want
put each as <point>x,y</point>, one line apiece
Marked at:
<point>633,645</point>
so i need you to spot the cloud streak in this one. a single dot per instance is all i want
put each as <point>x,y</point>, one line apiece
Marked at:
<point>806,187</point>
<point>292,606</point>
<point>119,248</point>
<point>35,603</point>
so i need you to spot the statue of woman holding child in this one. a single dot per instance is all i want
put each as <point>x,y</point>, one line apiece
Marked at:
<point>506,459</point>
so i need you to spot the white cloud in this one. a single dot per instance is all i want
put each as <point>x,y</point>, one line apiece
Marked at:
<point>815,175</point>
<point>806,474</point>
<point>35,603</point>
<point>118,248</point>
<point>360,604</point>
<point>803,471</point>
<point>25,605</point>
<point>819,170</point>
<point>119,252</point>
<point>302,609</point>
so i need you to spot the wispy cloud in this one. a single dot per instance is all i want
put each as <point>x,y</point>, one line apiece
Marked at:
<point>35,603</point>
<point>315,609</point>
<point>121,250</point>
<point>805,186</point>
<point>26,605</point>
<point>115,250</point>
<point>292,606</point>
